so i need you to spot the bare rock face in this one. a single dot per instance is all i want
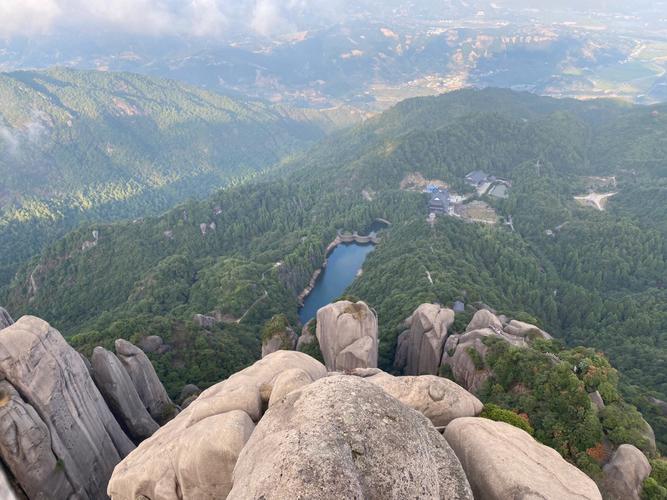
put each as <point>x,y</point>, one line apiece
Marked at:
<point>288,381</point>
<point>525,330</point>
<point>420,348</point>
<point>193,455</point>
<point>340,437</point>
<point>197,463</point>
<point>5,319</point>
<point>205,321</point>
<point>466,359</point>
<point>151,391</point>
<point>120,394</point>
<point>285,339</point>
<point>348,335</point>
<point>596,399</point>
<point>25,446</point>
<point>306,338</point>
<point>188,391</point>
<point>438,399</point>
<point>624,475</point>
<point>502,461</point>
<point>77,433</point>
<point>484,319</point>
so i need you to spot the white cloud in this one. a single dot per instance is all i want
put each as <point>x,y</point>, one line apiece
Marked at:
<point>203,18</point>
<point>27,17</point>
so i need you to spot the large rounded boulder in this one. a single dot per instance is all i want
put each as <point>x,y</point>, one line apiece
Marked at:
<point>502,461</point>
<point>624,475</point>
<point>420,348</point>
<point>193,455</point>
<point>438,399</point>
<point>348,335</point>
<point>343,437</point>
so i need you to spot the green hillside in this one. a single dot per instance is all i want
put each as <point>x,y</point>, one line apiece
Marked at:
<point>593,278</point>
<point>78,145</point>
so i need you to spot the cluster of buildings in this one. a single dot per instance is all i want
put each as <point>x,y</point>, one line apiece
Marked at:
<point>441,201</point>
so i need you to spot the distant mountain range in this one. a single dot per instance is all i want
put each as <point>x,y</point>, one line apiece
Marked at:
<point>78,145</point>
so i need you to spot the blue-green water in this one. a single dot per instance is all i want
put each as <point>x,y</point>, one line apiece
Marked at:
<point>342,267</point>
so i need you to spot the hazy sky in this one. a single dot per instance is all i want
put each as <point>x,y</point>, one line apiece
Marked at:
<point>208,18</point>
<point>213,18</point>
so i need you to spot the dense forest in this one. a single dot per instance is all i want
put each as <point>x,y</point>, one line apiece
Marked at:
<point>592,278</point>
<point>92,146</point>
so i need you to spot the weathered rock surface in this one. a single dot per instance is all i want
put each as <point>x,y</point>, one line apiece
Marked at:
<point>285,339</point>
<point>205,321</point>
<point>464,359</point>
<point>347,333</point>
<point>120,394</point>
<point>438,399</point>
<point>85,439</point>
<point>502,461</point>
<point>525,330</point>
<point>25,446</point>
<point>484,319</point>
<point>306,337</point>
<point>152,471</point>
<point>151,391</point>
<point>5,319</point>
<point>340,437</point>
<point>286,382</point>
<point>420,348</point>
<point>624,475</point>
<point>195,464</point>
<point>596,399</point>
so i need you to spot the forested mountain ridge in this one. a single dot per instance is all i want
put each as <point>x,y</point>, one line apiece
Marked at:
<point>77,145</point>
<point>593,278</point>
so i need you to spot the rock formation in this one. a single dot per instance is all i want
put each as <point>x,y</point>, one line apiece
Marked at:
<point>25,446</point>
<point>624,475</point>
<point>437,398</point>
<point>120,394</point>
<point>286,382</point>
<point>204,321</point>
<point>306,338</point>
<point>347,333</point>
<point>484,319</point>
<point>502,461</point>
<point>197,449</point>
<point>63,438</point>
<point>285,339</point>
<point>464,354</point>
<point>525,330</point>
<point>5,319</point>
<point>419,348</point>
<point>145,380</point>
<point>366,445</point>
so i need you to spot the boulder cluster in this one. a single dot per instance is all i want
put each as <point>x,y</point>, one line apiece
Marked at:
<point>290,426</point>
<point>287,426</point>
<point>65,422</point>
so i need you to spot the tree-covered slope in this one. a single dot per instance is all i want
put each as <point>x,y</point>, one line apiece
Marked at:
<point>593,278</point>
<point>91,145</point>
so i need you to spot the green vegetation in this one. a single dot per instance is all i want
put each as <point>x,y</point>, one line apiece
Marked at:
<point>495,412</point>
<point>94,146</point>
<point>655,486</point>
<point>597,279</point>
